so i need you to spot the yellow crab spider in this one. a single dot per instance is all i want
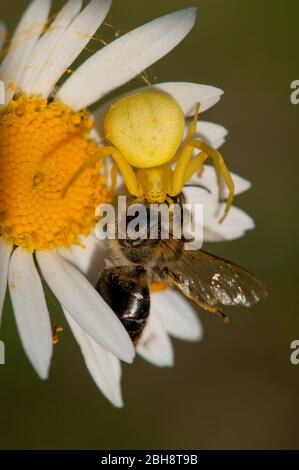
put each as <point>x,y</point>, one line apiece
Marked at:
<point>145,131</point>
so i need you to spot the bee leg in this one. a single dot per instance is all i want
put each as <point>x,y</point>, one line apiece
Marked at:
<point>215,310</point>
<point>173,282</point>
<point>212,309</point>
<point>169,200</point>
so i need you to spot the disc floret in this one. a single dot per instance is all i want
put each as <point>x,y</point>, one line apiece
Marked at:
<point>41,144</point>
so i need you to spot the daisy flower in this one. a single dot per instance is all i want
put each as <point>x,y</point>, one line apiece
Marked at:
<point>46,132</point>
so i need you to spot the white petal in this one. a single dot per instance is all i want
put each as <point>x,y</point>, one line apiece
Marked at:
<point>90,258</point>
<point>234,225</point>
<point>97,136</point>
<point>5,252</point>
<point>213,134</point>
<point>86,306</point>
<point>177,315</point>
<point>2,40</point>
<point>22,44</point>
<point>189,94</point>
<point>200,195</point>
<point>186,94</point>
<point>217,236</point>
<point>2,34</point>
<point>155,345</point>
<point>30,310</point>
<point>103,366</point>
<point>47,43</point>
<point>125,58</point>
<point>208,180</point>
<point>66,254</point>
<point>70,45</point>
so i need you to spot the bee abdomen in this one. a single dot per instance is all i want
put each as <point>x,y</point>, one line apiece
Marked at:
<point>126,290</point>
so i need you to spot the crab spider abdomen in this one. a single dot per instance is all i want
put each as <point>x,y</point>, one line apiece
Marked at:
<point>146,127</point>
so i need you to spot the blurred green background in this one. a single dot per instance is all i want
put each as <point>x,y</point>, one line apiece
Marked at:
<point>236,388</point>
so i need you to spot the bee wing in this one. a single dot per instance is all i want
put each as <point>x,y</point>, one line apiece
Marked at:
<point>210,280</point>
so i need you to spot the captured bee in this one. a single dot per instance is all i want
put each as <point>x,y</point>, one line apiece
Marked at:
<point>208,280</point>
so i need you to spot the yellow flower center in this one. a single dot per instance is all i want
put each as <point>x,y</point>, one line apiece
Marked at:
<point>41,146</point>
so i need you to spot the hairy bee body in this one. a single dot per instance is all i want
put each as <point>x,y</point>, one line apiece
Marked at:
<point>126,290</point>
<point>208,280</point>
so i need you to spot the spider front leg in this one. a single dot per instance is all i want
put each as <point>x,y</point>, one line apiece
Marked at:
<point>190,134</point>
<point>124,167</point>
<point>194,165</point>
<point>186,167</point>
<point>113,176</point>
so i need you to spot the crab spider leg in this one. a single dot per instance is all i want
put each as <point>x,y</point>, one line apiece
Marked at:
<point>221,171</point>
<point>193,126</point>
<point>123,166</point>
<point>183,167</point>
<point>178,155</point>
<point>196,164</point>
<point>113,176</point>
<point>190,134</point>
<point>179,172</point>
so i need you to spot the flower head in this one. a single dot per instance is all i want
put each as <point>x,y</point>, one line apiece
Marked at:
<point>41,144</point>
<point>46,132</point>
